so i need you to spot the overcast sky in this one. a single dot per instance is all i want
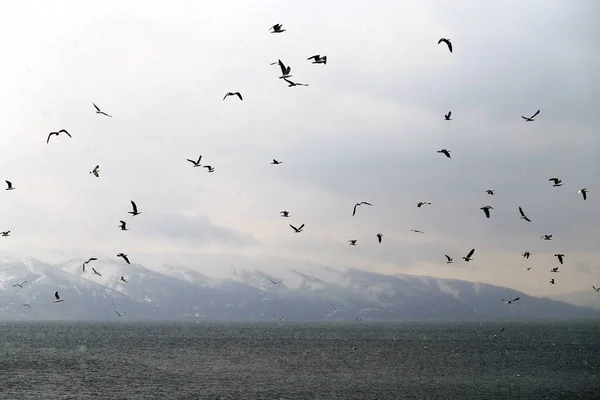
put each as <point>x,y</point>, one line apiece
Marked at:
<point>366,129</point>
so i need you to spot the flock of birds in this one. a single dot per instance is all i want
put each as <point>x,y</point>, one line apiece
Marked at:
<point>286,75</point>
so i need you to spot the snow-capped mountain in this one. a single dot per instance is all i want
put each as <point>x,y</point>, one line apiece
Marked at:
<point>182,293</point>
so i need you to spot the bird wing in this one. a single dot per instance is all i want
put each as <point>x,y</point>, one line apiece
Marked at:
<point>594,287</point>
<point>9,183</point>
<point>449,114</point>
<point>50,134</point>
<point>293,227</point>
<point>449,45</point>
<point>521,212</point>
<point>448,257</point>
<point>525,118</point>
<point>134,206</point>
<point>239,95</point>
<point>192,161</point>
<point>441,40</point>
<point>584,194</point>
<point>126,258</point>
<point>487,212</point>
<point>65,131</point>
<point>225,96</point>
<point>536,113</point>
<point>364,202</point>
<point>97,109</point>
<point>301,226</point>
<point>288,81</point>
<point>354,212</point>
<point>516,299</point>
<point>470,253</point>
<point>56,296</point>
<point>282,66</point>
<point>315,57</point>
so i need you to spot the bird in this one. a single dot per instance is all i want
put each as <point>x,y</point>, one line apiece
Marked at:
<point>275,162</point>
<point>416,231</point>
<point>88,261</point>
<point>447,41</point>
<point>360,204</point>
<point>135,209</point>
<point>57,133</point>
<point>291,84</point>
<point>277,28</point>
<point>546,237</point>
<point>423,203</point>
<point>233,94</point>
<point>445,152</point>
<point>584,193</point>
<point>297,230</point>
<point>468,257</point>
<point>285,71</point>
<point>560,257</point>
<point>597,289</point>
<point>96,171</point>
<point>450,259</point>
<point>528,268</point>
<point>552,281</point>
<point>510,301</point>
<point>523,216</point>
<point>501,330</point>
<point>95,272</point>
<point>19,284</point>
<point>352,242</point>
<point>57,298</point>
<point>5,233</point>
<point>118,313</point>
<point>530,119</point>
<point>526,255</point>
<point>123,279</point>
<point>486,210</point>
<point>124,257</point>
<point>447,116</point>
<point>557,182</point>
<point>9,185</point>
<point>25,305</point>
<point>196,163</point>
<point>123,226</point>
<point>209,168</point>
<point>318,59</point>
<point>555,269</point>
<point>490,192</point>
<point>274,282</point>
<point>98,111</point>
<point>285,214</point>
<point>379,237</point>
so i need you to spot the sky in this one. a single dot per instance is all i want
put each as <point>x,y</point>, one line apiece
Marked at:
<point>367,128</point>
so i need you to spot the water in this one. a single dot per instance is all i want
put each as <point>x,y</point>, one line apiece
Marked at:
<point>295,361</point>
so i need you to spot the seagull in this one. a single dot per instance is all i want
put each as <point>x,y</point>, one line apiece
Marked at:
<point>26,305</point>
<point>124,257</point>
<point>335,307</point>
<point>123,226</point>
<point>9,185</point>
<point>416,231</point>
<point>486,210</point>
<point>450,259</point>
<point>297,230</point>
<point>597,289</point>
<point>233,94</point>
<point>490,192</point>
<point>584,193</point>
<point>123,279</point>
<point>423,203</point>
<point>88,261</point>
<point>447,116</point>
<point>196,163</point>
<point>135,209</point>
<point>528,268</point>
<point>555,269</point>
<point>447,41</point>
<point>530,119</point>
<point>510,301</point>
<point>526,255</point>
<point>352,242</point>
<point>359,204</point>
<point>96,171</point>
<point>98,111</point>
<point>285,71</point>
<point>552,281</point>
<point>557,182</point>
<point>5,233</point>
<point>379,237</point>
<point>275,162</point>
<point>468,257</point>
<point>445,152</point>
<point>118,313</point>
<point>285,214</point>
<point>560,257</point>
<point>277,28</point>
<point>501,330</point>
<point>57,298</point>
<point>546,237</point>
<point>274,282</point>
<point>291,84</point>
<point>523,216</point>
<point>210,169</point>
<point>317,59</point>
<point>19,284</point>
<point>57,133</point>
<point>95,272</point>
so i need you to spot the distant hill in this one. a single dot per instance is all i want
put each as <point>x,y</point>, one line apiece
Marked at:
<point>585,298</point>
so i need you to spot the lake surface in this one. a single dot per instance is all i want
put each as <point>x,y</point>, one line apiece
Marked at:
<point>299,361</point>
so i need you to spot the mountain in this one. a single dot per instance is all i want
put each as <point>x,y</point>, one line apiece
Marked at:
<point>585,298</point>
<point>182,293</point>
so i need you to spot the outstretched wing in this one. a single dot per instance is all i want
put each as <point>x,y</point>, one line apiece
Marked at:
<point>535,115</point>
<point>470,253</point>
<point>238,94</point>
<point>95,106</point>
<point>134,206</point>
<point>448,257</point>
<point>354,211</point>
<point>516,299</point>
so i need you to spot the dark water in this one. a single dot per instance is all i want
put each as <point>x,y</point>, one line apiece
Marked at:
<point>294,361</point>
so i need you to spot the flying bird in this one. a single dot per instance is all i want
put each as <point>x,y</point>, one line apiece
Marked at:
<point>490,192</point>
<point>275,162</point>
<point>297,230</point>
<point>557,182</point>
<point>274,282</point>
<point>233,94</point>
<point>57,298</point>
<point>352,242</point>
<point>123,279</point>
<point>510,301</point>
<point>209,168</point>
<point>317,59</point>
<point>285,214</point>
<point>57,133</point>
<point>25,305</point>
<point>9,185</point>
<point>445,152</point>
<point>277,28</point>
<point>528,268</point>
<point>98,111</point>
<point>552,281</point>
<point>96,171</point>
<point>423,203</point>
<point>526,255</point>
<point>88,261</point>
<point>447,41</point>
<point>95,272</point>
<point>546,237</point>
<point>19,284</point>
<point>135,209</point>
<point>450,259</point>
<point>447,116</point>
<point>560,257</point>
<point>291,84</point>
<point>584,193</point>
<point>123,226</point>
<point>468,257</point>
<point>5,233</point>
<point>379,237</point>
<point>597,289</point>
<point>196,163</point>
<point>501,330</point>
<point>359,204</point>
<point>523,216</point>
<point>285,71</point>
<point>555,269</point>
<point>416,231</point>
<point>486,210</point>
<point>124,257</point>
<point>532,117</point>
